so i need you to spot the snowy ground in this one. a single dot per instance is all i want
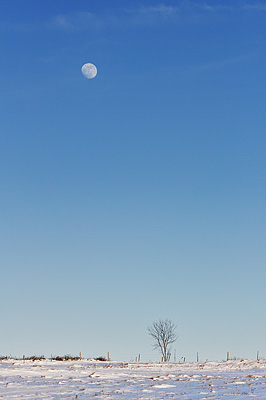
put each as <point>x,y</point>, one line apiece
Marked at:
<point>35,380</point>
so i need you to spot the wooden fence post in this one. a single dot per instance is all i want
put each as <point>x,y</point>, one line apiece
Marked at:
<point>108,356</point>
<point>80,355</point>
<point>51,357</point>
<point>257,356</point>
<point>227,358</point>
<point>197,356</point>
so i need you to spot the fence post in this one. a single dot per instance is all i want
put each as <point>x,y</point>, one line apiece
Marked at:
<point>227,358</point>
<point>257,356</point>
<point>51,357</point>
<point>197,356</point>
<point>108,356</point>
<point>139,358</point>
<point>23,357</point>
<point>80,355</point>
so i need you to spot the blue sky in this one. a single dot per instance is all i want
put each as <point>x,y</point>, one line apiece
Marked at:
<point>139,194</point>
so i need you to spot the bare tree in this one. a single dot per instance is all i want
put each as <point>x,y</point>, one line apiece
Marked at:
<point>163,333</point>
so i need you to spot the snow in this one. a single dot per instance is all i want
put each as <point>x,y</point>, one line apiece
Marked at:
<point>87,379</point>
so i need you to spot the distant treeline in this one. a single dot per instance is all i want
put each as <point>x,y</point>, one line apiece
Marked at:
<point>52,358</point>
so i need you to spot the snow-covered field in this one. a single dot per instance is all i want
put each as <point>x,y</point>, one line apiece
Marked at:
<point>87,379</point>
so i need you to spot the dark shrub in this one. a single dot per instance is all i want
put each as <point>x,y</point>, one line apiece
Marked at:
<point>100,358</point>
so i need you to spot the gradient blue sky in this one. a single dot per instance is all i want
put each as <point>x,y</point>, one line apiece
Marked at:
<point>139,194</point>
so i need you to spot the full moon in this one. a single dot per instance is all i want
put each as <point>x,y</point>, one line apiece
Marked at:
<point>89,70</point>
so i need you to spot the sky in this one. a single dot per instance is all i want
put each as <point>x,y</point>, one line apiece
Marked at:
<point>137,195</point>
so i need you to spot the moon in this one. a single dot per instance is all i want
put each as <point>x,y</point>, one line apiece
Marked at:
<point>89,70</point>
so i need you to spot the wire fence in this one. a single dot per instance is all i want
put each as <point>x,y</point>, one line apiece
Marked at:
<point>119,357</point>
